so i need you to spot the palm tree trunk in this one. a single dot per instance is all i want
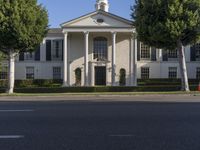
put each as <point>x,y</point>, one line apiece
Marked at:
<point>183,68</point>
<point>11,73</point>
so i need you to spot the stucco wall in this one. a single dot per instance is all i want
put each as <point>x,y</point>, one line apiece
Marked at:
<point>44,69</point>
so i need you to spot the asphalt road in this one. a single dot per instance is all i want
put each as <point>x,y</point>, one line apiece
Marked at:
<point>83,125</point>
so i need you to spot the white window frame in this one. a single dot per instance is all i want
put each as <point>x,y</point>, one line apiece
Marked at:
<point>55,48</point>
<point>29,56</point>
<point>57,73</point>
<point>3,72</point>
<point>198,73</point>
<point>30,73</point>
<point>141,52</point>
<point>145,72</point>
<point>172,72</point>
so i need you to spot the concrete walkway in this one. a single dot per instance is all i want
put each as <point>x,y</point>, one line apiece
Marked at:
<point>107,98</point>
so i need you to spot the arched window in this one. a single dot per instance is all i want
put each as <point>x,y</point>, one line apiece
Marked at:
<point>122,77</point>
<point>78,77</point>
<point>100,48</point>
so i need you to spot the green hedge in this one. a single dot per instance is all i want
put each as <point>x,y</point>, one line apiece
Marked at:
<point>98,89</point>
<point>55,86</point>
<point>58,83</point>
<point>165,82</point>
<point>33,83</point>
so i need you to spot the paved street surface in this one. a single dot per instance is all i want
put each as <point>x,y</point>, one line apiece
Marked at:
<point>99,125</point>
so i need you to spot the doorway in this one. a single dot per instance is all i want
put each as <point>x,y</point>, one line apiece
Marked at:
<point>100,75</point>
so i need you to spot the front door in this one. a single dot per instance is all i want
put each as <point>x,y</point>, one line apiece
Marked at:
<point>100,75</point>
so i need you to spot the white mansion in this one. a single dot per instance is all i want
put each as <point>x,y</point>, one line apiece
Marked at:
<point>101,48</point>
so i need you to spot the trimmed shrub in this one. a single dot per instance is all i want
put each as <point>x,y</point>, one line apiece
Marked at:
<point>99,89</point>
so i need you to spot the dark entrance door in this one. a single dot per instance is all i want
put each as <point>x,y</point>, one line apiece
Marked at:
<point>100,75</point>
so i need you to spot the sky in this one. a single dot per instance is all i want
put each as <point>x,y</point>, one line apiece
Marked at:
<point>64,10</point>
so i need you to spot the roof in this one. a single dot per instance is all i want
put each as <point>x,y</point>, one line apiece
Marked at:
<point>54,30</point>
<point>98,12</point>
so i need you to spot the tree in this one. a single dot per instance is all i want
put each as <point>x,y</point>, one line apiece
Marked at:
<point>169,24</point>
<point>23,25</point>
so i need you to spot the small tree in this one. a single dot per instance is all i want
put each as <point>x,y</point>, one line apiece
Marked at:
<point>23,25</point>
<point>169,24</point>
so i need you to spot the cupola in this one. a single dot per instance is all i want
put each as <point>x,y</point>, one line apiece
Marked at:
<point>102,5</point>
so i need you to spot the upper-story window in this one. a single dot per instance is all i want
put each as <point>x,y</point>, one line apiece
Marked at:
<point>57,50</point>
<point>29,56</point>
<point>170,55</point>
<point>198,73</point>
<point>145,51</point>
<point>100,48</point>
<point>3,72</point>
<point>195,52</point>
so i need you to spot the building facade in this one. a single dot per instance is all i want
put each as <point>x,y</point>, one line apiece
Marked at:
<point>101,48</point>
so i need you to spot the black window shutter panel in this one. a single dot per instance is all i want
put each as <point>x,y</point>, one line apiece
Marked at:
<point>62,48</point>
<point>21,56</point>
<point>165,55</point>
<point>48,50</point>
<point>153,54</point>
<point>138,50</point>
<point>192,53</point>
<point>37,54</point>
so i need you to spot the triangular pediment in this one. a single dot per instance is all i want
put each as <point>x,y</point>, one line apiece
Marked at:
<point>99,19</point>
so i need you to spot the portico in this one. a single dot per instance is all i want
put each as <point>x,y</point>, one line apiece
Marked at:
<point>90,64</point>
<point>101,40</point>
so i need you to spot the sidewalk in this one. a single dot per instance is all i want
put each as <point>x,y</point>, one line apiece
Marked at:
<point>151,97</point>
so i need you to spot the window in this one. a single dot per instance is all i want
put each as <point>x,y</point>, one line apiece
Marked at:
<point>78,77</point>
<point>145,51</point>
<point>197,48</point>
<point>29,56</point>
<point>29,72</point>
<point>145,73</point>
<point>57,50</point>
<point>198,73</point>
<point>122,77</point>
<point>3,72</point>
<point>172,54</point>
<point>172,73</point>
<point>100,48</point>
<point>56,73</point>
<point>195,52</point>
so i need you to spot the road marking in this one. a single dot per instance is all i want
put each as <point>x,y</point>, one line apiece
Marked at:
<point>121,135</point>
<point>11,136</point>
<point>13,110</point>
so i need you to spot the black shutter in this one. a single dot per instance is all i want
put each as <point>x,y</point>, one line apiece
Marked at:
<point>165,55</point>
<point>62,48</point>
<point>37,53</point>
<point>48,50</point>
<point>153,54</point>
<point>192,53</point>
<point>21,56</point>
<point>138,50</point>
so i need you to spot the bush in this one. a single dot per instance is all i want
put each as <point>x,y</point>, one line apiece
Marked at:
<point>38,83</point>
<point>54,86</point>
<point>165,82</point>
<point>99,89</point>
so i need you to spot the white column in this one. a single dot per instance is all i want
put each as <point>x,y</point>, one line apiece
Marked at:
<point>131,61</point>
<point>113,58</point>
<point>159,55</point>
<point>92,73</point>
<point>65,60</point>
<point>135,62</point>
<point>86,35</point>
